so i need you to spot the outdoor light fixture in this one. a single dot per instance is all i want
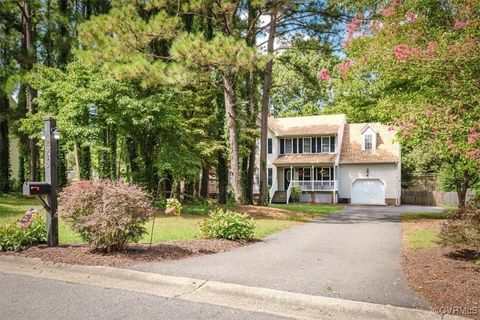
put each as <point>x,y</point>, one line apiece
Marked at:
<point>368,172</point>
<point>56,134</point>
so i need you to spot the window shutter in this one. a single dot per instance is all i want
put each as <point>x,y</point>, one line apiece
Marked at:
<point>332,144</point>
<point>294,145</point>
<point>314,144</point>
<point>269,142</point>
<point>282,146</point>
<point>300,145</point>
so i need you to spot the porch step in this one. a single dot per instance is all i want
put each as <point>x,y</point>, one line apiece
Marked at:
<point>280,197</point>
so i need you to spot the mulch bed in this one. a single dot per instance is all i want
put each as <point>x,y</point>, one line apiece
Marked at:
<point>261,212</point>
<point>443,277</point>
<point>135,254</point>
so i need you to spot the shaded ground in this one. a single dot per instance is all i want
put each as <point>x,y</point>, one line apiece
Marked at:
<point>442,277</point>
<point>80,254</point>
<point>354,254</point>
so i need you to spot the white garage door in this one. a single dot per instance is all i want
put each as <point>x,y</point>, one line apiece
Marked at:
<point>368,191</point>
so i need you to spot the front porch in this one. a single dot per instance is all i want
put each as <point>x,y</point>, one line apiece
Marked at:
<point>318,183</point>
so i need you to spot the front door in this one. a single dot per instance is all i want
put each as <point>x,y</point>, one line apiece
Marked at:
<point>286,178</point>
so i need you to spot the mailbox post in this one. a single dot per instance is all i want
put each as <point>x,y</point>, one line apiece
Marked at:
<point>48,188</point>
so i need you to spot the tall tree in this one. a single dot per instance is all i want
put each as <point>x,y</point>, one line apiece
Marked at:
<point>422,60</point>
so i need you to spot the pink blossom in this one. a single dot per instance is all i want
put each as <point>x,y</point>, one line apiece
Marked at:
<point>324,74</point>
<point>474,154</point>
<point>431,47</point>
<point>410,16</point>
<point>344,67</point>
<point>356,21</point>
<point>391,128</point>
<point>473,136</point>
<point>428,112</point>
<point>387,11</point>
<point>459,24</point>
<point>351,27</point>
<point>402,52</point>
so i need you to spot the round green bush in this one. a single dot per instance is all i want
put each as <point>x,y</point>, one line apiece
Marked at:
<point>296,193</point>
<point>229,225</point>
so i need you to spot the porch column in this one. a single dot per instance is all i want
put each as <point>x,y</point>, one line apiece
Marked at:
<point>291,175</point>
<point>312,177</point>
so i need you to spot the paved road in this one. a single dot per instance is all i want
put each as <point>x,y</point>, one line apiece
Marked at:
<point>23,297</point>
<point>354,254</point>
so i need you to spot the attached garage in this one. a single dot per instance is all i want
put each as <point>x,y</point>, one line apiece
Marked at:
<point>368,191</point>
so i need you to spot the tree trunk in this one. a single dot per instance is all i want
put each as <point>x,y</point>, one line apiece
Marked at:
<point>222,176</point>
<point>4,145</point>
<point>29,55</point>
<point>205,182</point>
<point>233,139</point>
<point>267,84</point>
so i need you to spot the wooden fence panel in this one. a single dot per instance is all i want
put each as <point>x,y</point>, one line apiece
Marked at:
<point>432,198</point>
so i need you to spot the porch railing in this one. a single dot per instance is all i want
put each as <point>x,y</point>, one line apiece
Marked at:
<point>316,185</point>
<point>272,191</point>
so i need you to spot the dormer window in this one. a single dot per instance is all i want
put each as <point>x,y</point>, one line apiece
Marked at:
<point>368,143</point>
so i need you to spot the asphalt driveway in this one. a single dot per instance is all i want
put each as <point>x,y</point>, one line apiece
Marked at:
<point>354,254</point>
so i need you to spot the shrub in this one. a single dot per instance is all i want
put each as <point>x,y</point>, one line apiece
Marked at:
<point>107,214</point>
<point>228,225</point>
<point>296,193</point>
<point>13,236</point>
<point>173,207</point>
<point>462,229</point>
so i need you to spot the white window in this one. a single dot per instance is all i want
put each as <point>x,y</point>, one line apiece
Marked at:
<point>307,145</point>
<point>288,146</point>
<point>368,142</point>
<point>326,144</point>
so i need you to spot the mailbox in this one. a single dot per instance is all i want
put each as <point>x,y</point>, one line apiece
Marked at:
<point>36,188</point>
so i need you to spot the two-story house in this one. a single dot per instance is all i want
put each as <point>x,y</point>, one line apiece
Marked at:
<point>333,161</point>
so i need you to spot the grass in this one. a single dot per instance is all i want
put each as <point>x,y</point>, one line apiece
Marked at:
<point>314,210</point>
<point>184,227</point>
<point>412,216</point>
<point>422,239</point>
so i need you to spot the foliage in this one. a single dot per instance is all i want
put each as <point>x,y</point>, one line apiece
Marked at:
<point>175,206</point>
<point>13,235</point>
<point>450,176</point>
<point>228,225</point>
<point>296,193</point>
<point>415,64</point>
<point>296,88</point>
<point>462,229</point>
<point>107,214</point>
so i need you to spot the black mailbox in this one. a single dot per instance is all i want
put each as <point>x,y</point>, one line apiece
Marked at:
<point>36,188</point>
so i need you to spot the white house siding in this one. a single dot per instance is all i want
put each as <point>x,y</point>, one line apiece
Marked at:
<point>388,173</point>
<point>270,158</point>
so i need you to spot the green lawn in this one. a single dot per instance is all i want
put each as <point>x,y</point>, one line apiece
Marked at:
<point>422,239</point>
<point>166,228</point>
<point>315,210</point>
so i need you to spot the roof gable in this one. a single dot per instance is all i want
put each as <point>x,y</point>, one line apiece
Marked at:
<point>386,150</point>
